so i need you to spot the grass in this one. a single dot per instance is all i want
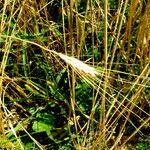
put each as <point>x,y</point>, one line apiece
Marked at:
<point>74,74</point>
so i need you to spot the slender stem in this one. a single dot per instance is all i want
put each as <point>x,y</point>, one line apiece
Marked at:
<point>118,35</point>
<point>102,115</point>
<point>24,59</point>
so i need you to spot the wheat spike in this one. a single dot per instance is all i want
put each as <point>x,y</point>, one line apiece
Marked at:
<point>79,65</point>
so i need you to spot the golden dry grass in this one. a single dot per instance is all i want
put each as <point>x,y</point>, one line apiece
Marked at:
<point>119,79</point>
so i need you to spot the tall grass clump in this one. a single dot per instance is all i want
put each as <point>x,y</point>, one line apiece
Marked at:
<point>74,74</point>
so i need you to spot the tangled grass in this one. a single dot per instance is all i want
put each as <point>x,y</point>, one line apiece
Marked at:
<point>81,68</point>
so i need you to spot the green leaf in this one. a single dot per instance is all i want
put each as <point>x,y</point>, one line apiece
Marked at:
<point>39,126</point>
<point>61,73</point>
